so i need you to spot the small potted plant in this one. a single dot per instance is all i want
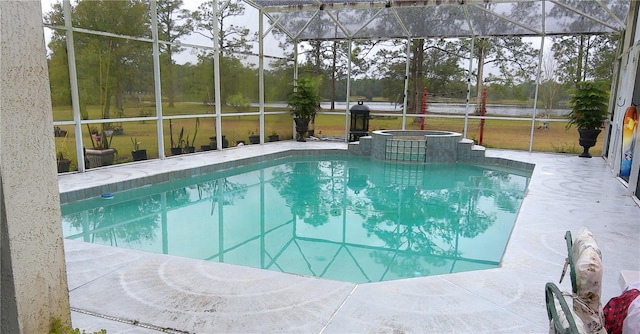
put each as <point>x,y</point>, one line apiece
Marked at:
<point>204,148</point>
<point>117,129</point>
<point>63,162</point>
<point>274,137</point>
<point>213,142</point>
<point>304,102</point>
<point>176,146</point>
<point>137,153</point>
<point>189,146</point>
<point>58,132</point>
<point>254,138</point>
<point>102,154</point>
<point>588,113</point>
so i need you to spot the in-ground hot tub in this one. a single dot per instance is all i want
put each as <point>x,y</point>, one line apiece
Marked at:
<point>428,146</point>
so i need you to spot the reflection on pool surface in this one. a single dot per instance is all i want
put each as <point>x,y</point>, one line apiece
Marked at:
<point>344,218</point>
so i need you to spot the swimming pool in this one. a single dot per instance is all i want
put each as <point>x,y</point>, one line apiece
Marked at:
<point>340,217</point>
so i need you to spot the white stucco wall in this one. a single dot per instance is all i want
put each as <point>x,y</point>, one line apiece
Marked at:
<point>34,281</point>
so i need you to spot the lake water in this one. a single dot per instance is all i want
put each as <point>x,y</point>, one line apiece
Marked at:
<point>441,108</point>
<point>454,108</point>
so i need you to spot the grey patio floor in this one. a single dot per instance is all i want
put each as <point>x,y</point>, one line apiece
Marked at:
<point>125,291</point>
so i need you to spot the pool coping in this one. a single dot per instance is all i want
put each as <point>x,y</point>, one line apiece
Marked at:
<point>70,195</point>
<point>159,183</point>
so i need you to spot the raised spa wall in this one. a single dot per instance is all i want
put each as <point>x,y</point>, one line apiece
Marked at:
<point>426,146</point>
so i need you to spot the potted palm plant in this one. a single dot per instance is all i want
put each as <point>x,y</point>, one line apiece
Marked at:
<point>304,102</point>
<point>588,112</point>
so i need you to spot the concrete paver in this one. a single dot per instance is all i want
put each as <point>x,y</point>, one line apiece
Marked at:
<point>116,288</point>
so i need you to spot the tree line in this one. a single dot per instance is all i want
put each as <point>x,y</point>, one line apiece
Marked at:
<point>111,68</point>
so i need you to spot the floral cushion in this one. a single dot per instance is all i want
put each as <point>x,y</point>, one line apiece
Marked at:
<point>588,269</point>
<point>565,323</point>
<point>561,316</point>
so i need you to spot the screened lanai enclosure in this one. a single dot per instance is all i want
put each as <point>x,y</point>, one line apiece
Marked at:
<point>174,77</point>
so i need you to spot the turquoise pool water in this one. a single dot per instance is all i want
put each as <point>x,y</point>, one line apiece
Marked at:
<point>344,218</point>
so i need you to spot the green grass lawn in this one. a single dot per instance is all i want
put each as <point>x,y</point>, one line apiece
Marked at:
<point>504,134</point>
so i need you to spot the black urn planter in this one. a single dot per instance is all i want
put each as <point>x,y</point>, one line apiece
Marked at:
<point>302,126</point>
<point>176,150</point>
<point>139,155</point>
<point>273,138</point>
<point>588,139</point>
<point>189,149</point>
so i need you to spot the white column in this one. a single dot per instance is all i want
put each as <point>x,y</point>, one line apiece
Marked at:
<point>261,73</point>
<point>156,79</point>
<point>535,97</point>
<point>405,101</point>
<point>217,53</point>
<point>34,287</point>
<point>466,106</point>
<point>347,112</point>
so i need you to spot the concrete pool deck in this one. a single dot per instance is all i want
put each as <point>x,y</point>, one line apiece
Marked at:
<point>127,291</point>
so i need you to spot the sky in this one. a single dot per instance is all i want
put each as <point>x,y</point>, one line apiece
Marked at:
<point>250,20</point>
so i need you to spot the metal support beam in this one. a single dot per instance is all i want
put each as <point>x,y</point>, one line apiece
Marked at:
<point>406,86</point>
<point>73,83</point>
<point>156,78</point>
<point>347,114</point>
<point>583,14</point>
<point>261,73</point>
<point>216,75</point>
<point>295,79</point>
<point>466,107</point>
<point>535,98</point>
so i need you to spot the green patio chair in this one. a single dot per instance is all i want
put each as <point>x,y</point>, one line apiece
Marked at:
<point>584,316</point>
<point>560,322</point>
<point>563,322</point>
<point>570,263</point>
